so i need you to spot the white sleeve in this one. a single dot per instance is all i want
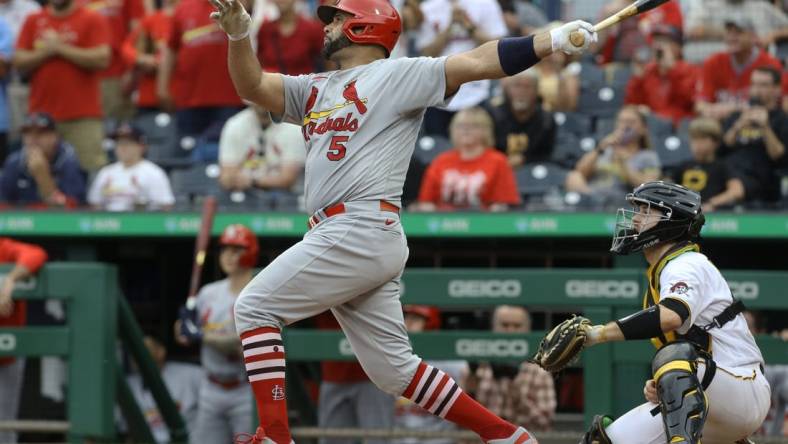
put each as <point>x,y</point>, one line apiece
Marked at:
<point>231,143</point>
<point>491,21</point>
<point>94,195</point>
<point>159,189</point>
<point>683,281</point>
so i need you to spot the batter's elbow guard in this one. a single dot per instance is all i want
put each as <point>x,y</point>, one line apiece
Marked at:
<point>682,402</point>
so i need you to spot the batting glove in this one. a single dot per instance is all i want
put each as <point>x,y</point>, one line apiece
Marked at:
<point>232,17</point>
<point>561,37</point>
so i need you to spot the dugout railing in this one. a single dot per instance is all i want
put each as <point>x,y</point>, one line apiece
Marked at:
<point>97,315</point>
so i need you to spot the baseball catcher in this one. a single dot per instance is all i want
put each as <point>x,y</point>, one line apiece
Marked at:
<point>707,374</point>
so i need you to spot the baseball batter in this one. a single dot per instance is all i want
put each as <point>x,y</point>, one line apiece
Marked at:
<point>708,371</point>
<point>360,125</point>
<point>225,404</point>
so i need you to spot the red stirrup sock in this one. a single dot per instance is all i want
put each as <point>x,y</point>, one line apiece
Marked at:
<point>437,392</point>
<point>264,356</point>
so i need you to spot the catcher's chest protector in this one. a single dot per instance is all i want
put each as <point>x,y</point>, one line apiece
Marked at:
<point>651,298</point>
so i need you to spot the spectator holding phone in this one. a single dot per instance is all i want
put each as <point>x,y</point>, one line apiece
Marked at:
<point>757,136</point>
<point>623,159</point>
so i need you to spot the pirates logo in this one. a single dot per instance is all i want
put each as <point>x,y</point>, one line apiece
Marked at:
<point>321,121</point>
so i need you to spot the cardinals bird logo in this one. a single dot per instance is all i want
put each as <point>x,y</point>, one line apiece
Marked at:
<point>351,95</point>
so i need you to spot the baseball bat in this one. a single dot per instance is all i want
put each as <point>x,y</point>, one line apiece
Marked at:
<point>640,6</point>
<point>201,248</point>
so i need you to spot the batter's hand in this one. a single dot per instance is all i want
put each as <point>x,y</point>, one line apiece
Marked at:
<point>560,37</point>
<point>650,391</point>
<point>232,17</point>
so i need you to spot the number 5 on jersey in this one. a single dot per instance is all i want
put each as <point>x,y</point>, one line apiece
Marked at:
<point>337,149</point>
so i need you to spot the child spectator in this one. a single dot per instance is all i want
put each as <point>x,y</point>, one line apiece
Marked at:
<point>757,136</point>
<point>706,173</point>
<point>133,182</point>
<point>45,171</point>
<point>473,174</point>
<point>524,131</point>
<point>621,160</point>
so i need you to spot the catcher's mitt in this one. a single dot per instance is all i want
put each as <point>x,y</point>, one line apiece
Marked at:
<point>563,344</point>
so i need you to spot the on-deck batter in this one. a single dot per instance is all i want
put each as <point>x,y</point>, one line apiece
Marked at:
<point>360,125</point>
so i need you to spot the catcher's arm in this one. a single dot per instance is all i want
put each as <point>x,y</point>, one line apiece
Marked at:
<point>645,324</point>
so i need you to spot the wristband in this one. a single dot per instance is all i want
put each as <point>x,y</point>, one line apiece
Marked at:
<point>243,36</point>
<point>516,54</point>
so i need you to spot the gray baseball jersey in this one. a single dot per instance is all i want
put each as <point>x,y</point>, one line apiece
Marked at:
<point>360,126</point>
<point>215,307</point>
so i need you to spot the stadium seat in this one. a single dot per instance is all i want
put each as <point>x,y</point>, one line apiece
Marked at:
<point>673,150</point>
<point>192,183</point>
<point>604,126</point>
<point>658,127</point>
<point>429,146</point>
<point>247,200</point>
<point>575,123</point>
<point>539,178</point>
<point>600,95</point>
<point>570,148</point>
<point>161,135</point>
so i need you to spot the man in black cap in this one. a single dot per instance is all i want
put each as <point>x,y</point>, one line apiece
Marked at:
<point>132,182</point>
<point>45,171</point>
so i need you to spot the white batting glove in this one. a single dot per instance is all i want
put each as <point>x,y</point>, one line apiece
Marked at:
<point>232,17</point>
<point>561,37</point>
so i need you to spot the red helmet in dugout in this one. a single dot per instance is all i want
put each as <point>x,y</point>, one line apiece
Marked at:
<point>431,315</point>
<point>374,21</point>
<point>241,236</point>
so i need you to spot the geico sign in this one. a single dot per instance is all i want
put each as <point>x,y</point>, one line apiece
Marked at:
<point>488,288</point>
<point>576,288</point>
<point>7,342</point>
<point>482,348</point>
<point>744,289</point>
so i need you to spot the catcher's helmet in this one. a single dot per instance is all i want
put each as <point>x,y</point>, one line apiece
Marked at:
<point>680,217</point>
<point>241,236</point>
<point>374,21</point>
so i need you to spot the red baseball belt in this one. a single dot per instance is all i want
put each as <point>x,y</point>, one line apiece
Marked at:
<point>333,210</point>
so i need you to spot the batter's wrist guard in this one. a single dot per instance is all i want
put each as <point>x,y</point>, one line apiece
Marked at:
<point>516,54</point>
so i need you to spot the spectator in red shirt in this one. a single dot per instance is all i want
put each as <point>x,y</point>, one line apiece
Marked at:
<point>725,80</point>
<point>122,16</point>
<point>290,44</point>
<point>204,95</point>
<point>27,260</point>
<point>624,41</point>
<point>473,174</point>
<point>142,50</point>
<point>63,48</point>
<point>667,83</point>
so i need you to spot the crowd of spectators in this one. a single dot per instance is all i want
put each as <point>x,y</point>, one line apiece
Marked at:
<point>639,107</point>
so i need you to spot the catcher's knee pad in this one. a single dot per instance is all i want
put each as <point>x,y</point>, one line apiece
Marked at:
<point>681,399</point>
<point>596,433</point>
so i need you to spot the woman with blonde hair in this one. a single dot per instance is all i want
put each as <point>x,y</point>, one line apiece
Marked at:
<point>623,159</point>
<point>471,175</point>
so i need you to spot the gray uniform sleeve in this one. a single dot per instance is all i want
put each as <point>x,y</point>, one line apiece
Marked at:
<point>419,82</point>
<point>296,96</point>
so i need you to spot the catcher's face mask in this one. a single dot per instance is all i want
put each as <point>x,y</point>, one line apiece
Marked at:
<point>633,224</point>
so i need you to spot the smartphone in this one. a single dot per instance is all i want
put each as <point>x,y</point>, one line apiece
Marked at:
<point>627,136</point>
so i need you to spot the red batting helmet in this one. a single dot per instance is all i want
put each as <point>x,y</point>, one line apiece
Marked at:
<point>241,236</point>
<point>431,315</point>
<point>375,21</point>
